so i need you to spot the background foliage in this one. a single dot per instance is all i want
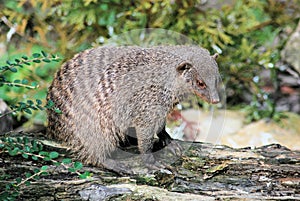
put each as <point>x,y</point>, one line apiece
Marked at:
<point>247,34</point>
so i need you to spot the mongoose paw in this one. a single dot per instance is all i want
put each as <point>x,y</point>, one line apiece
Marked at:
<point>118,167</point>
<point>175,148</point>
<point>153,164</point>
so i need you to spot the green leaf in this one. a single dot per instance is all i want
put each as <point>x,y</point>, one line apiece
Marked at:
<point>14,70</point>
<point>56,163</point>
<point>27,110</point>
<point>24,81</point>
<point>27,183</point>
<point>47,159</point>
<point>53,154</point>
<point>17,81</point>
<point>30,102</point>
<point>34,158</point>
<point>44,53</point>
<point>25,156</point>
<point>72,169</point>
<point>85,175</point>
<point>36,61</point>
<point>78,165</point>
<point>35,84</point>
<point>33,107</point>
<point>67,161</point>
<point>46,60</point>
<point>18,180</point>
<point>103,6</point>
<point>36,55</point>
<point>38,102</point>
<point>39,147</point>
<point>5,67</point>
<point>27,174</point>
<point>36,177</point>
<point>40,107</point>
<point>17,60</point>
<point>9,62</point>
<point>22,105</point>
<point>25,140</point>
<point>27,148</point>
<point>19,140</point>
<point>24,57</point>
<point>58,111</point>
<point>14,152</point>
<point>45,173</point>
<point>43,153</point>
<point>44,168</point>
<point>49,104</point>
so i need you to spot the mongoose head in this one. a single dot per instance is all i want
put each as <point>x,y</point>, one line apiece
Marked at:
<point>200,74</point>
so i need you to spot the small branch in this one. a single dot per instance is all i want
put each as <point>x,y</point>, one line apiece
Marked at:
<point>42,157</point>
<point>261,25</point>
<point>30,39</point>
<point>19,85</point>
<point>29,178</point>
<point>7,113</point>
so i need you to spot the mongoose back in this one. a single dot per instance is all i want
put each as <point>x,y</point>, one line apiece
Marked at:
<point>104,91</point>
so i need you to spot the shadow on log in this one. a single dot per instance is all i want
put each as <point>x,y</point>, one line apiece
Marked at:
<point>203,172</point>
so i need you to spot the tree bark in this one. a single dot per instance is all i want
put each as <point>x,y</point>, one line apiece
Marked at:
<point>203,172</point>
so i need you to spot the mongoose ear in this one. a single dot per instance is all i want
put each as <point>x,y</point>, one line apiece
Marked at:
<point>215,56</point>
<point>183,67</point>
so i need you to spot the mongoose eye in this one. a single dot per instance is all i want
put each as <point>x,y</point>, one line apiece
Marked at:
<point>201,84</point>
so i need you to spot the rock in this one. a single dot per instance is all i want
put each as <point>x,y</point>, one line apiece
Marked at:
<point>291,54</point>
<point>156,193</point>
<point>263,132</point>
<point>212,125</point>
<point>227,127</point>
<point>100,192</point>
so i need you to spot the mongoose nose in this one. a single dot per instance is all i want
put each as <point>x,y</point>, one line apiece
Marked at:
<point>215,101</point>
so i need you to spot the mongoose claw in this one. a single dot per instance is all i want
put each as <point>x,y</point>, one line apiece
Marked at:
<point>175,148</point>
<point>152,164</point>
<point>172,145</point>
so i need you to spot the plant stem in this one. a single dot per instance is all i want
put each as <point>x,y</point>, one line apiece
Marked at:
<point>20,85</point>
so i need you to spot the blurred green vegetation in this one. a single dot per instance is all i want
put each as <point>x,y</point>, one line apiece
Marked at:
<point>247,34</point>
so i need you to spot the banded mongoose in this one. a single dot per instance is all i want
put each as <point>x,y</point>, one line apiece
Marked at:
<point>104,91</point>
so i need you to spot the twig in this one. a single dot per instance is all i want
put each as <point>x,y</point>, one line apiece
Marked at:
<point>19,85</point>
<point>29,38</point>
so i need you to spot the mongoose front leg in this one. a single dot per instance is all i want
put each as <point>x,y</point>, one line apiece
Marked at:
<point>145,137</point>
<point>166,140</point>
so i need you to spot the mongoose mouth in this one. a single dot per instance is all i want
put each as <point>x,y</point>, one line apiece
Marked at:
<point>203,97</point>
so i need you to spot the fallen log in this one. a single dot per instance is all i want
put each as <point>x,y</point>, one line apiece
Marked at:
<point>204,172</point>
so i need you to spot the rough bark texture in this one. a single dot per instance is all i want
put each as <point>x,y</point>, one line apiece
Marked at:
<point>204,172</point>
